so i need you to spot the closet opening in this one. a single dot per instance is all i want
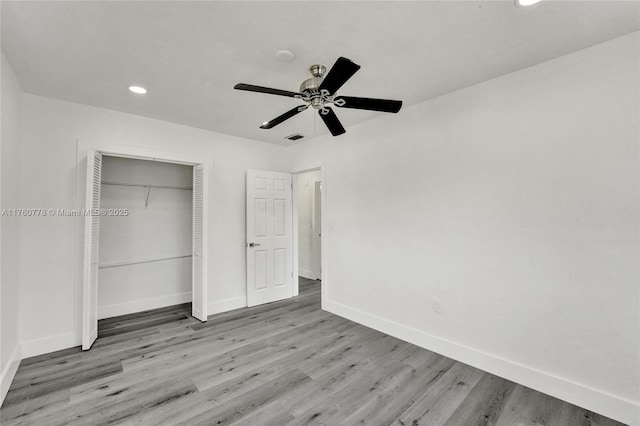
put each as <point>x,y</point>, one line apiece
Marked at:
<point>146,249</point>
<point>307,190</point>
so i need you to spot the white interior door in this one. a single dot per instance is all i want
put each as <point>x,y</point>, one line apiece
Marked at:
<point>199,270</point>
<point>269,237</point>
<point>91,244</point>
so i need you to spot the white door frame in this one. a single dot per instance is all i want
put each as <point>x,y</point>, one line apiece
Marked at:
<point>324,228</point>
<point>316,237</point>
<point>125,151</point>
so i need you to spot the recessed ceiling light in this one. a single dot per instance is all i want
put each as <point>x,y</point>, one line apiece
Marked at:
<point>285,55</point>
<point>138,90</point>
<point>525,2</point>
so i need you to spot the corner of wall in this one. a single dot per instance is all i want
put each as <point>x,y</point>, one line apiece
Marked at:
<point>9,372</point>
<point>9,198</point>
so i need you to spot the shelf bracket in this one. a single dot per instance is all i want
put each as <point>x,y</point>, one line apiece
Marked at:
<point>146,202</point>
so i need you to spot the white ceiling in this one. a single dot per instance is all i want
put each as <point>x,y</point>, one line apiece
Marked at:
<point>189,55</point>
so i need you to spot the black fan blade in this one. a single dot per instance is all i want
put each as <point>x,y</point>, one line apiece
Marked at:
<point>332,122</point>
<point>270,91</point>
<point>338,75</point>
<point>287,115</point>
<point>382,105</point>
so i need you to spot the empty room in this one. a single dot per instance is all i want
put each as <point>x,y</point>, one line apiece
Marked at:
<point>320,213</point>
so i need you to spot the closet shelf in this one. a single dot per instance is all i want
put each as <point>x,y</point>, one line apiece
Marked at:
<point>144,185</point>
<point>138,262</point>
<point>148,186</point>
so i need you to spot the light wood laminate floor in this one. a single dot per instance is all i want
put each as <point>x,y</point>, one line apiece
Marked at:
<point>285,363</point>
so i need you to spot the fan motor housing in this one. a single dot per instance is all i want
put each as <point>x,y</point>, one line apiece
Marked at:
<point>311,85</point>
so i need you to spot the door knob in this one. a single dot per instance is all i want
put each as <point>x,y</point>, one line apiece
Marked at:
<point>253,245</point>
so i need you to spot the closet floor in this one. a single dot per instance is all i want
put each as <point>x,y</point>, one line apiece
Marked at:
<point>283,363</point>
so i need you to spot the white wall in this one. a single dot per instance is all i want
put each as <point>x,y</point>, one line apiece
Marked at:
<point>514,202</point>
<point>53,176</point>
<point>159,230</point>
<point>305,197</point>
<point>9,226</point>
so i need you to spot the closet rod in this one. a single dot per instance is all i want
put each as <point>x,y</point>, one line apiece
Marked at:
<point>115,265</point>
<point>141,185</point>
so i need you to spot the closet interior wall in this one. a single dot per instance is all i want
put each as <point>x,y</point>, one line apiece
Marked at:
<point>308,254</point>
<point>145,236</point>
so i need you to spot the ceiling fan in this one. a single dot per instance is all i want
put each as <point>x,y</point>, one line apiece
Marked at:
<point>319,92</point>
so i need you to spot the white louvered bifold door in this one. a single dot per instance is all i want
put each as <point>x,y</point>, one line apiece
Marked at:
<point>269,237</point>
<point>91,243</point>
<point>199,283</point>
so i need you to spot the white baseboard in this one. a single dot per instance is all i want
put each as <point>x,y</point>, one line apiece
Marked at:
<point>142,305</point>
<point>48,344</point>
<point>306,273</point>
<point>227,305</point>
<point>9,372</point>
<point>609,405</point>
<point>69,340</point>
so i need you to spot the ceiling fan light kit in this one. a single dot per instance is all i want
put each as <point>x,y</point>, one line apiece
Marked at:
<point>319,92</point>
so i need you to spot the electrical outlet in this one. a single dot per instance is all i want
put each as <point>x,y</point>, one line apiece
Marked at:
<point>437,306</point>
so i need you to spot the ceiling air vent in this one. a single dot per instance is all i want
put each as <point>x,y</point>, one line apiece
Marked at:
<point>294,137</point>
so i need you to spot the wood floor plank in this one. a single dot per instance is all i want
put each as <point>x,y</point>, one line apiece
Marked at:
<point>345,402</point>
<point>321,364</point>
<point>485,402</point>
<point>387,405</point>
<point>572,415</point>
<point>283,363</point>
<point>527,407</point>
<point>116,408</point>
<point>442,397</point>
<point>233,360</point>
<point>245,404</point>
<point>183,307</point>
<point>163,322</point>
<point>63,381</point>
<point>276,349</point>
<point>116,351</point>
<point>236,385</point>
<point>308,395</point>
<point>50,402</point>
<point>220,343</point>
<point>141,325</point>
<point>181,411</point>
